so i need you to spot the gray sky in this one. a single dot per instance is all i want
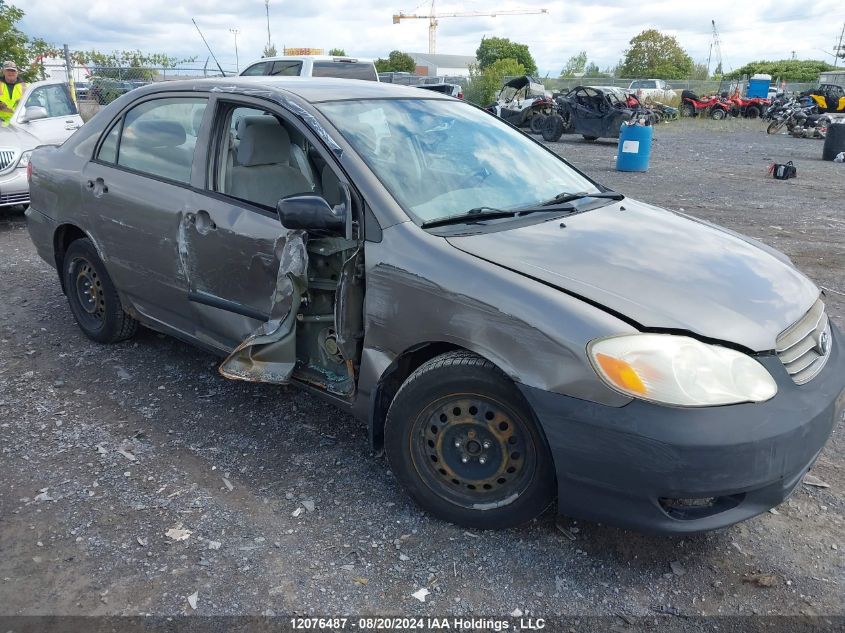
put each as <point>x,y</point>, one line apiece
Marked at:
<point>759,29</point>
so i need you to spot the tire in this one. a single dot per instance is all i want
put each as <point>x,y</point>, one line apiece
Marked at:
<point>460,435</point>
<point>587,137</point>
<point>553,128</point>
<point>688,110</point>
<point>92,296</point>
<point>717,114</point>
<point>774,127</point>
<point>537,122</point>
<point>752,112</point>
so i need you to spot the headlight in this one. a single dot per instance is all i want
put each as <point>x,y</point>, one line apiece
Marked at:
<point>23,161</point>
<point>678,370</point>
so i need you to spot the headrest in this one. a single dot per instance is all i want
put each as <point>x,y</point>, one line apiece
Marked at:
<point>151,134</point>
<point>263,142</point>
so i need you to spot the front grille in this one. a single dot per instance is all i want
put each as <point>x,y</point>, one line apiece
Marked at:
<point>804,347</point>
<point>14,198</point>
<point>8,157</point>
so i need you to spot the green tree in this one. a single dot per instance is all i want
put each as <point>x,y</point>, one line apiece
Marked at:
<point>699,71</point>
<point>396,62</point>
<point>337,52</point>
<point>16,46</point>
<point>127,64</point>
<point>803,70</point>
<point>484,84</point>
<point>575,66</point>
<point>593,70</point>
<point>493,49</point>
<point>269,50</point>
<point>655,55</point>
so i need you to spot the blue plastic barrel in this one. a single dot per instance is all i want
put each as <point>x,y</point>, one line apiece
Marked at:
<point>634,147</point>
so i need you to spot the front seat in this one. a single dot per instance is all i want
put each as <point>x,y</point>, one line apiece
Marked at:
<point>263,174</point>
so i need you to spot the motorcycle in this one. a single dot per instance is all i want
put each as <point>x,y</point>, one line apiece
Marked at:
<point>790,117</point>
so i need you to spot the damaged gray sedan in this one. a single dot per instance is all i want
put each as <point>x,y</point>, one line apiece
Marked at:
<point>510,331</point>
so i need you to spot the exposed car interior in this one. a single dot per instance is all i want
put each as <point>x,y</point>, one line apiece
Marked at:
<point>263,158</point>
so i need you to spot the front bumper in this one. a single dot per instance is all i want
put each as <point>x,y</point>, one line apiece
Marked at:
<point>14,188</point>
<point>641,465</point>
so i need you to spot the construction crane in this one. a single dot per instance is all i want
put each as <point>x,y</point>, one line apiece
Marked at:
<point>432,18</point>
<point>715,45</point>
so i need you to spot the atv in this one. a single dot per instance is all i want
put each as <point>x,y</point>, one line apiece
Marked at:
<point>692,105</point>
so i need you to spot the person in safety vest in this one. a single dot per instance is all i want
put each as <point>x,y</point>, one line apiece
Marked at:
<point>11,91</point>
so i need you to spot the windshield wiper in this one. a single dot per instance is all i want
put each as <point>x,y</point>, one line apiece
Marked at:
<point>478,213</point>
<point>566,196</point>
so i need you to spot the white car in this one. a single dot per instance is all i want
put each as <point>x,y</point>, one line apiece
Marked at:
<point>654,89</point>
<point>45,115</point>
<point>314,66</point>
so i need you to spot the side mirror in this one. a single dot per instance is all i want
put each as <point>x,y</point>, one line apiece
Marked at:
<point>311,212</point>
<point>33,113</point>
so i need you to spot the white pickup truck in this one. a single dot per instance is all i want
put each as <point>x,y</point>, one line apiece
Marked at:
<point>654,89</point>
<point>45,115</point>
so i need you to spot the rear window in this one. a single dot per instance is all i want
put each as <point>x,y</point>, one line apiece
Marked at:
<point>255,69</point>
<point>286,69</point>
<point>346,70</point>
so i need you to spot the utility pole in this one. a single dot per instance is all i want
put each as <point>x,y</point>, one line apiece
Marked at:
<point>267,10</point>
<point>235,32</point>
<point>839,50</point>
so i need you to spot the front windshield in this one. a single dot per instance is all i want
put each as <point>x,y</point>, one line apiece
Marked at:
<point>443,158</point>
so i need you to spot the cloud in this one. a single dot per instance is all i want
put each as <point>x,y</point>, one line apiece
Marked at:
<point>603,28</point>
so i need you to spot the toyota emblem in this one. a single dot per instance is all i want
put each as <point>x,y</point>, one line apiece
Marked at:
<point>824,343</point>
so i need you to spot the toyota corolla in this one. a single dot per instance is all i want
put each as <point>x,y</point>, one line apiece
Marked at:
<point>512,332</point>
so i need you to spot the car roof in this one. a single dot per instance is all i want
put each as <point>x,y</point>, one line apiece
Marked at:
<point>316,58</point>
<point>310,89</point>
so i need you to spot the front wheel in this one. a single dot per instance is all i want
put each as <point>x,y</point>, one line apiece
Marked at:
<point>537,122</point>
<point>774,127</point>
<point>717,114</point>
<point>462,440</point>
<point>553,127</point>
<point>92,297</point>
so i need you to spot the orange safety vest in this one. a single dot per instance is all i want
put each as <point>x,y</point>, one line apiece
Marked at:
<point>10,101</point>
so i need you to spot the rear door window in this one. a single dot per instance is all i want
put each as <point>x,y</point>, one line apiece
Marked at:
<point>348,70</point>
<point>159,137</point>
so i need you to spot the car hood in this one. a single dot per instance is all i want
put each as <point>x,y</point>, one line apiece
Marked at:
<point>659,269</point>
<point>14,137</point>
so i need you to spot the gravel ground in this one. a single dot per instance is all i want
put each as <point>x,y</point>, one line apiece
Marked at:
<point>111,455</point>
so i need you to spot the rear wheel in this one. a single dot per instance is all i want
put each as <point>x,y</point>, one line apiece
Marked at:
<point>688,110</point>
<point>462,440</point>
<point>537,122</point>
<point>92,296</point>
<point>752,112</point>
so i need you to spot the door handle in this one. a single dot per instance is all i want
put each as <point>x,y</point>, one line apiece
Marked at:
<point>203,223</point>
<point>98,186</point>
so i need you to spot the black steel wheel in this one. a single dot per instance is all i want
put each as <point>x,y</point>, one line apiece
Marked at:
<point>462,440</point>
<point>92,296</point>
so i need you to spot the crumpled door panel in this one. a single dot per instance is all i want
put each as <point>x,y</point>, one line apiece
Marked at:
<point>269,353</point>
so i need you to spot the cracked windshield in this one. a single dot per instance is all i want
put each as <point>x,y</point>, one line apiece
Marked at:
<point>443,158</point>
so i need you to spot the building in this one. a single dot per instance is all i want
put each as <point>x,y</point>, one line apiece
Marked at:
<point>833,77</point>
<point>442,65</point>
